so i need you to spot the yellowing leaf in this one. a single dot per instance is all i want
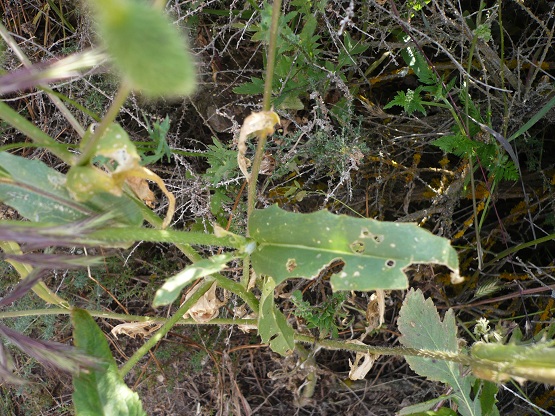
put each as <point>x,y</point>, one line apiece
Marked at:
<point>84,182</point>
<point>140,188</point>
<point>260,124</point>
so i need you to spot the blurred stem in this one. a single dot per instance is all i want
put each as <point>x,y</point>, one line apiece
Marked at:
<point>271,62</point>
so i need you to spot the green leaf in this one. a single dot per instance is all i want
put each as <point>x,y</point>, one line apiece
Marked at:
<point>411,101</point>
<point>254,87</point>
<point>272,325</point>
<point>375,253</point>
<point>423,409</point>
<point>171,289</point>
<point>100,392</point>
<point>39,193</point>
<point>417,62</point>
<point>145,47</point>
<point>488,397</point>
<point>422,329</point>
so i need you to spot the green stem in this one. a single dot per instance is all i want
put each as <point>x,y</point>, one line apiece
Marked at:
<point>126,318</point>
<point>90,145</point>
<point>276,12</point>
<point>193,256</point>
<point>127,234</point>
<point>331,344</point>
<point>165,328</point>
<point>267,106</point>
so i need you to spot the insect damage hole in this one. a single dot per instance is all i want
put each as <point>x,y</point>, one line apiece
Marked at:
<point>291,265</point>
<point>357,247</point>
<point>390,263</point>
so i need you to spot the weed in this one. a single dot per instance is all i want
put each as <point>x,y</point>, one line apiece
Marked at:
<point>99,201</point>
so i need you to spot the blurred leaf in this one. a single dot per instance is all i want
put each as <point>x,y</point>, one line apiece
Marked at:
<point>100,392</point>
<point>254,87</point>
<point>147,49</point>
<point>375,253</point>
<point>422,329</point>
<point>523,362</point>
<point>423,409</point>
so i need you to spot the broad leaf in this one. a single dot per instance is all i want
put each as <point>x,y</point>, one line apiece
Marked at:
<point>171,289</point>
<point>422,329</point>
<point>272,325</point>
<point>39,194</point>
<point>100,392</point>
<point>375,253</point>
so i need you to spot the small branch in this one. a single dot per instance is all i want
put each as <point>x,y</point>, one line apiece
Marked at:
<point>164,329</point>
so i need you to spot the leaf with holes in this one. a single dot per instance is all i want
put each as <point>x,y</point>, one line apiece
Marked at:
<point>375,253</point>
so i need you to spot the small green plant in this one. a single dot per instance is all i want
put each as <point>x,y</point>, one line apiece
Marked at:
<point>96,204</point>
<point>323,317</point>
<point>468,139</point>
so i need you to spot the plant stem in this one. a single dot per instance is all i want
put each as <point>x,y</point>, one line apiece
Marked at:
<point>404,351</point>
<point>266,106</point>
<point>126,318</point>
<point>276,11</point>
<point>164,329</point>
<point>113,111</point>
<point>125,235</point>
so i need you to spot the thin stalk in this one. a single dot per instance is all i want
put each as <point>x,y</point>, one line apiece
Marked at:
<point>166,327</point>
<point>266,106</point>
<point>271,62</point>
<point>111,114</point>
<point>127,234</point>
<point>126,318</point>
<point>331,344</point>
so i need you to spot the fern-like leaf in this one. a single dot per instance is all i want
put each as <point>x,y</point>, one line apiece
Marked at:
<point>411,101</point>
